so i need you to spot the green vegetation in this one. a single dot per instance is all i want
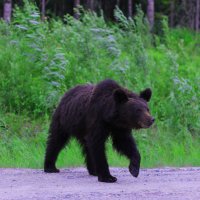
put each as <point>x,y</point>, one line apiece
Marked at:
<point>39,61</point>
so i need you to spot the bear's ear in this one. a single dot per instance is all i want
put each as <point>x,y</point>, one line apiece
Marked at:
<point>146,94</point>
<point>120,96</point>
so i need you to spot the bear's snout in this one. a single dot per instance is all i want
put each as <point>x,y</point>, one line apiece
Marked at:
<point>146,121</point>
<point>152,120</point>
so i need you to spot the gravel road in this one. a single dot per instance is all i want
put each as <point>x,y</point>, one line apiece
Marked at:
<point>75,183</point>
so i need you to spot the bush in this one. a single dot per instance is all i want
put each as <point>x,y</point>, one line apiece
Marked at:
<point>39,61</point>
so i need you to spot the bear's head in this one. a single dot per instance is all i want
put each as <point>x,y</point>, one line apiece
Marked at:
<point>132,110</point>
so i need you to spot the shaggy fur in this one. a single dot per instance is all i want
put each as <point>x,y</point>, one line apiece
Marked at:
<point>92,113</point>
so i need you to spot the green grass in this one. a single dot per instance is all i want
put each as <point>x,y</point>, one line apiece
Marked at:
<point>27,150</point>
<point>39,61</point>
<point>29,153</point>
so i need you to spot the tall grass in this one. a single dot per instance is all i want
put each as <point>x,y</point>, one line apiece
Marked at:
<point>23,142</point>
<point>39,61</point>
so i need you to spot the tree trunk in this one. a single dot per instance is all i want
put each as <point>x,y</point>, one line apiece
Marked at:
<point>150,13</point>
<point>197,15</point>
<point>130,8</point>
<point>7,10</point>
<point>43,9</point>
<point>172,7</point>
<point>191,9</point>
<point>90,4</point>
<point>76,5</point>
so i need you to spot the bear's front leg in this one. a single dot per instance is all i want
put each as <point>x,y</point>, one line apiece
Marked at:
<point>134,166</point>
<point>124,143</point>
<point>96,147</point>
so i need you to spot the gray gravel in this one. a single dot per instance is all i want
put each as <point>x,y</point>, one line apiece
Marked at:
<point>75,183</point>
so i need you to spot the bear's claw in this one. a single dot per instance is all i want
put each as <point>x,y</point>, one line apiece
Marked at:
<point>107,179</point>
<point>134,170</point>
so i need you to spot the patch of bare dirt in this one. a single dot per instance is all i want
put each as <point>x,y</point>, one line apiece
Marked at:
<point>75,183</point>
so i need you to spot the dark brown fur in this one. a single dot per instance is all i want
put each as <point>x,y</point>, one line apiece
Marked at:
<point>92,113</point>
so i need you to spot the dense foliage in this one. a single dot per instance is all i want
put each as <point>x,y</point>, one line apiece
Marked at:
<point>39,61</point>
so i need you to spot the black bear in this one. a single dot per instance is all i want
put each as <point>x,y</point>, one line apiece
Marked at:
<point>92,113</point>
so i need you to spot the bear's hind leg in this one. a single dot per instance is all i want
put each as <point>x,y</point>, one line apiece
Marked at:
<point>88,160</point>
<point>55,143</point>
<point>96,148</point>
<point>90,165</point>
<point>102,168</point>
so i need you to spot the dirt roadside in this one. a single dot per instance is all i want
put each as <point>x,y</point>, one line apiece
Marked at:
<point>75,183</point>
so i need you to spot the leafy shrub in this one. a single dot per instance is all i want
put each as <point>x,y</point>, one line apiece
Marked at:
<point>39,61</point>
